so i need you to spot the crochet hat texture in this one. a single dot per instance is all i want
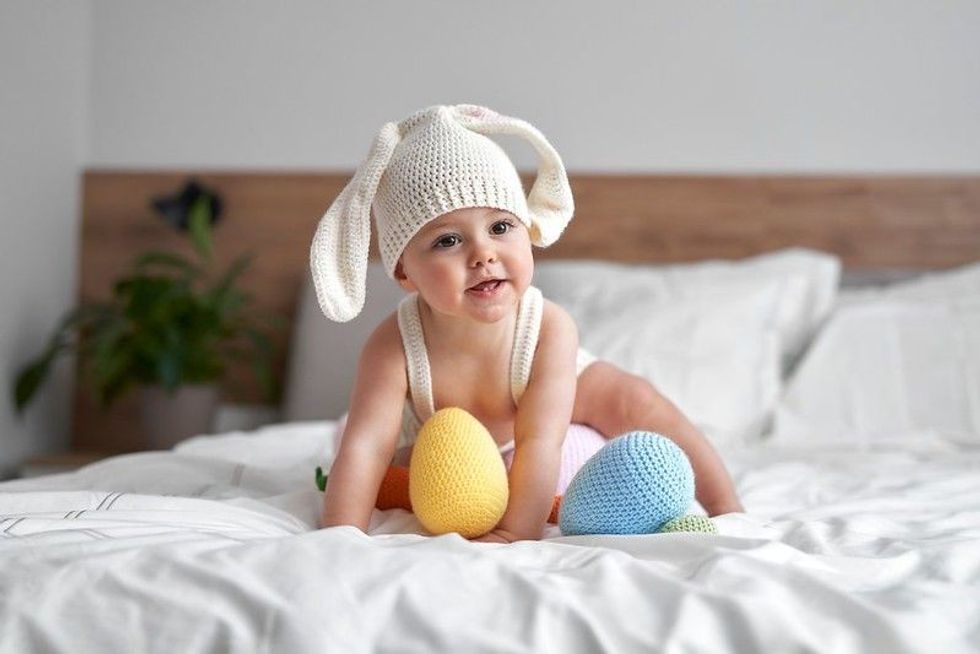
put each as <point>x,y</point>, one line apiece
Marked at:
<point>435,161</point>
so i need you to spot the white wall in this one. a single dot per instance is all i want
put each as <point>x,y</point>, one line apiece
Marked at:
<point>842,85</point>
<point>44,50</point>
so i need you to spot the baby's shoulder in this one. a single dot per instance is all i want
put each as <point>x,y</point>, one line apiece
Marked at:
<point>385,343</point>
<point>557,324</point>
<point>555,316</point>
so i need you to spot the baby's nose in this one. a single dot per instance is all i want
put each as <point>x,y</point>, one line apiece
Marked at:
<point>482,254</point>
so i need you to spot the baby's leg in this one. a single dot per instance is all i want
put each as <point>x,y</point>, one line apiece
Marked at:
<point>614,402</point>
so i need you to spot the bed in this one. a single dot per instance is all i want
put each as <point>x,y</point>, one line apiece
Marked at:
<point>846,403</point>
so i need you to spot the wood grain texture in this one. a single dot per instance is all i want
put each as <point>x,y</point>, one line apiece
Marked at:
<point>909,222</point>
<point>870,222</point>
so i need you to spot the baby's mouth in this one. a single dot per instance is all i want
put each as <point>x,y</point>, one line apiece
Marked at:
<point>488,286</point>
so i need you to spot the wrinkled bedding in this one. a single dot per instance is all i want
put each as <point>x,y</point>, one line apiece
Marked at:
<point>213,547</point>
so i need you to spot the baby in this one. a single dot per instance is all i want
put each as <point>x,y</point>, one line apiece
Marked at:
<point>456,230</point>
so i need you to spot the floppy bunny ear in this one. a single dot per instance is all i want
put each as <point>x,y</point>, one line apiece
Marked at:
<point>339,253</point>
<point>550,200</point>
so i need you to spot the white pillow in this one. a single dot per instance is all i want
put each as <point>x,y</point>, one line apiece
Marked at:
<point>942,285</point>
<point>323,354</point>
<point>713,350</point>
<point>892,364</point>
<point>808,279</point>
<point>715,354</point>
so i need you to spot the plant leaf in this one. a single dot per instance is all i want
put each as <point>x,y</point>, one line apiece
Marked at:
<point>168,369</point>
<point>199,223</point>
<point>28,381</point>
<point>238,266</point>
<point>264,352</point>
<point>33,374</point>
<point>167,260</point>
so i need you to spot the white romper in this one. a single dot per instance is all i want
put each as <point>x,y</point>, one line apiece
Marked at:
<point>420,406</point>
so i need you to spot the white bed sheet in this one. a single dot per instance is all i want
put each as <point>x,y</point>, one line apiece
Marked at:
<point>212,547</point>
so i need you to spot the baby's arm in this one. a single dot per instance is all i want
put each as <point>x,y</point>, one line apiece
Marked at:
<point>371,434</point>
<point>543,415</point>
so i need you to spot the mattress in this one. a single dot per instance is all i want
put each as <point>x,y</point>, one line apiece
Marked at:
<point>214,547</point>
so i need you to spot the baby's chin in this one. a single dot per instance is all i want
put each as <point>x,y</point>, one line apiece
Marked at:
<point>480,313</point>
<point>492,307</point>
<point>492,315</point>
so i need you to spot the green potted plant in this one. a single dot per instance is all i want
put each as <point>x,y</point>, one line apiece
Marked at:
<point>170,329</point>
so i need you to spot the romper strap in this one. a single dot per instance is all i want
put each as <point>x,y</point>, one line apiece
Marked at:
<point>525,341</point>
<point>416,357</point>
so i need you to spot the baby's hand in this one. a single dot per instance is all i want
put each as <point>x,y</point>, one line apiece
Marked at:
<point>495,536</point>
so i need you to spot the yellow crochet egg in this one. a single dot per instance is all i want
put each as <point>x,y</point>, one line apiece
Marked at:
<point>457,480</point>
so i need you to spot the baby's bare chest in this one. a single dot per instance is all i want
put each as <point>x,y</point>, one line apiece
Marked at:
<point>481,387</point>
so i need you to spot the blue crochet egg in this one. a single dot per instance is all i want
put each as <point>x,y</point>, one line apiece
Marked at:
<point>633,485</point>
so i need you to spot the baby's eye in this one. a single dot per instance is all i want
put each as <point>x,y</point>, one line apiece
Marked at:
<point>501,227</point>
<point>446,241</point>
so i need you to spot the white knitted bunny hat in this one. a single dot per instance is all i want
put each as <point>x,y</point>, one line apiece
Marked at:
<point>435,161</point>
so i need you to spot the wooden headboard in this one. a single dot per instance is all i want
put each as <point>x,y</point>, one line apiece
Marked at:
<point>872,223</point>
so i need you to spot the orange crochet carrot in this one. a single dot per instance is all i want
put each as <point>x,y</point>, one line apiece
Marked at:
<point>393,493</point>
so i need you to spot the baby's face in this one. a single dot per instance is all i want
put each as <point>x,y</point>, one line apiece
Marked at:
<point>473,263</point>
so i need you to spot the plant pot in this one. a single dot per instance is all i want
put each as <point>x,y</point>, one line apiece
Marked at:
<point>170,418</point>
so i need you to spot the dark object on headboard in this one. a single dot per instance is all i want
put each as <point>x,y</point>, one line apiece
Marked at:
<point>176,207</point>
